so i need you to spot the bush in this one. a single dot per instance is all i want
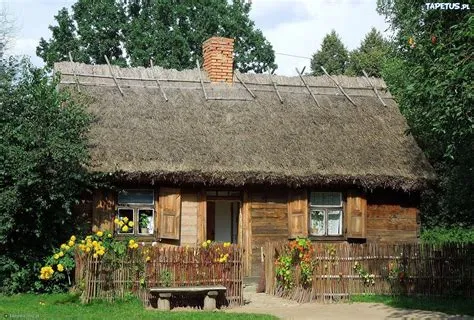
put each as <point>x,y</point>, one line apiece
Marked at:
<point>441,235</point>
<point>44,158</point>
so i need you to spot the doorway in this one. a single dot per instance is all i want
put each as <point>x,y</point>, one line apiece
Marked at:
<point>222,221</point>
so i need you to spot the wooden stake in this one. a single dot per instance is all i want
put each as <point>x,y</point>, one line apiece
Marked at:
<point>200,78</point>
<point>373,87</point>
<point>115,79</point>
<point>74,72</point>
<point>338,85</point>
<point>158,81</point>
<point>306,85</point>
<point>276,89</point>
<point>245,86</point>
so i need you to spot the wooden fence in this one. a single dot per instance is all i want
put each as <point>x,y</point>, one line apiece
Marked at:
<point>111,277</point>
<point>343,269</point>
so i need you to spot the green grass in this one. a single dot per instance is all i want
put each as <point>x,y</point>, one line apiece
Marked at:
<point>67,306</point>
<point>446,305</point>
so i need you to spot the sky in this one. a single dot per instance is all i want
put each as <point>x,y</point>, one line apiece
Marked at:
<point>293,27</point>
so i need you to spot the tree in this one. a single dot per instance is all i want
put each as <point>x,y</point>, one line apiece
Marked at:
<point>6,30</point>
<point>168,32</point>
<point>44,154</point>
<point>332,56</point>
<point>370,56</point>
<point>431,77</point>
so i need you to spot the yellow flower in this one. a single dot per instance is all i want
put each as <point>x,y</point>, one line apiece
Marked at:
<point>125,229</point>
<point>73,238</point>
<point>60,267</point>
<point>109,235</point>
<point>208,241</point>
<point>46,273</point>
<point>148,259</point>
<point>88,249</point>
<point>70,243</point>
<point>130,223</point>
<point>131,241</point>
<point>94,243</point>
<point>56,256</point>
<point>83,241</point>
<point>117,221</point>
<point>63,246</point>
<point>99,233</point>
<point>121,223</point>
<point>95,255</point>
<point>125,219</point>
<point>226,244</point>
<point>204,244</point>
<point>61,254</point>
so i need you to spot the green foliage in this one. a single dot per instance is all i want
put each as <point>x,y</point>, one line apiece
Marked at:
<point>43,148</point>
<point>370,56</point>
<point>430,75</point>
<point>333,56</point>
<point>298,255</point>
<point>168,32</point>
<point>442,236</point>
<point>166,278</point>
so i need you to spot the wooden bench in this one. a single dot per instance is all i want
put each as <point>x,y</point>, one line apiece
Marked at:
<point>210,294</point>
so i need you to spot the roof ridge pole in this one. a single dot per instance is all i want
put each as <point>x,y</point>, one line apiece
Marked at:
<point>200,79</point>
<point>245,86</point>
<point>339,86</point>
<point>373,87</point>
<point>275,87</point>
<point>157,81</point>
<point>306,85</point>
<point>113,75</point>
<point>76,79</point>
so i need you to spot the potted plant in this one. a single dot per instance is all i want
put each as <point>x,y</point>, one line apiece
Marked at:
<point>143,221</point>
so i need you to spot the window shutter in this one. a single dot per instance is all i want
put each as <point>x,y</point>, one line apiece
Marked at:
<point>297,214</point>
<point>169,213</point>
<point>356,215</point>
<point>103,210</point>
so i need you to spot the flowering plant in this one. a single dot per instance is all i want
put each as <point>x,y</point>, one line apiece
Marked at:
<point>124,224</point>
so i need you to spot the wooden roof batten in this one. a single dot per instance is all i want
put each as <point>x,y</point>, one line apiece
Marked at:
<point>339,86</point>
<point>113,75</point>
<point>74,72</point>
<point>306,85</point>
<point>373,87</point>
<point>158,81</point>
<point>275,87</point>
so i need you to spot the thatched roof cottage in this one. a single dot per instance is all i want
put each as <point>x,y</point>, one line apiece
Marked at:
<point>214,154</point>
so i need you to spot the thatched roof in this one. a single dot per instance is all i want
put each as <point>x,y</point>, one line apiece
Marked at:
<point>232,138</point>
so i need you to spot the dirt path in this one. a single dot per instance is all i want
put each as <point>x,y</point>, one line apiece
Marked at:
<point>286,309</point>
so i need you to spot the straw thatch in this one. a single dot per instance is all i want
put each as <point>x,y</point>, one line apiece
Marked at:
<point>234,139</point>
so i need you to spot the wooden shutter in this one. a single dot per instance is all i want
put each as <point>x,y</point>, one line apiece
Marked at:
<point>103,210</point>
<point>356,215</point>
<point>169,213</point>
<point>297,214</point>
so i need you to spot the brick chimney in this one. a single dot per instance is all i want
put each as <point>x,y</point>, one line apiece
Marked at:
<point>218,59</point>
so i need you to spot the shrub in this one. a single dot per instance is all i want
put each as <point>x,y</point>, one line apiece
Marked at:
<point>439,235</point>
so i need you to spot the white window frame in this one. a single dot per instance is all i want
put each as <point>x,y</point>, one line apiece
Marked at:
<point>326,209</point>
<point>138,221</point>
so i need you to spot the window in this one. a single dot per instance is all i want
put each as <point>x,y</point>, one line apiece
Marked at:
<point>325,214</point>
<point>136,214</point>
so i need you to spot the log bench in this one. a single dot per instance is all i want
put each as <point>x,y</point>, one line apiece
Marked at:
<point>209,293</point>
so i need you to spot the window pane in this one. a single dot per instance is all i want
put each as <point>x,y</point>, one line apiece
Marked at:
<point>136,196</point>
<point>318,227</point>
<point>325,198</point>
<point>334,222</point>
<point>125,217</point>
<point>145,221</point>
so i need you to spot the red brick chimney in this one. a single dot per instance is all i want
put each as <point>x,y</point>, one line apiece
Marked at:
<point>218,59</point>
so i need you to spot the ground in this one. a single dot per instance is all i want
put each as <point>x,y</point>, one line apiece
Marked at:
<point>286,309</point>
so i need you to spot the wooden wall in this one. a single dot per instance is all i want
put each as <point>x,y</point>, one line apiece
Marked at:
<point>391,217</point>
<point>189,218</point>
<point>269,221</point>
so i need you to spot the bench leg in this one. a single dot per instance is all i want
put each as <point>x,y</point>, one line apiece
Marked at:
<point>210,300</point>
<point>164,301</point>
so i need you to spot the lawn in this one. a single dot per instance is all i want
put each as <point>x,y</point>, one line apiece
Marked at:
<point>446,305</point>
<point>66,306</point>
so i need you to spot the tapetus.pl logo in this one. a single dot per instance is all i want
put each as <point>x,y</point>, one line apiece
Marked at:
<point>447,6</point>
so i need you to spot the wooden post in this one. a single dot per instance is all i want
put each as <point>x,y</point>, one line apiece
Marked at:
<point>158,81</point>
<point>200,79</point>
<point>374,88</point>
<point>113,75</point>
<point>245,86</point>
<point>275,87</point>
<point>339,86</point>
<point>306,85</point>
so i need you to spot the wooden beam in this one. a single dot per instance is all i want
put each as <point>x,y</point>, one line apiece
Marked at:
<point>276,89</point>
<point>245,86</point>
<point>374,88</point>
<point>306,85</point>
<point>74,72</point>
<point>158,81</point>
<point>339,86</point>
<point>200,78</point>
<point>113,76</point>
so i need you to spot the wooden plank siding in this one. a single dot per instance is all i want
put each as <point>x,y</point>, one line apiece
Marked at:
<point>269,221</point>
<point>189,218</point>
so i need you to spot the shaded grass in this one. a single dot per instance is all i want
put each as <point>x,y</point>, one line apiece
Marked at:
<point>68,306</point>
<point>447,305</point>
